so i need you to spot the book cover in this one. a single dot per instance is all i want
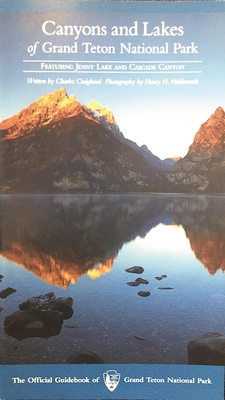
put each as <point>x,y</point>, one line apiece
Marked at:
<point>112,200</point>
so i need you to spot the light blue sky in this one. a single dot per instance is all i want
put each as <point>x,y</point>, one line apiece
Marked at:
<point>164,117</point>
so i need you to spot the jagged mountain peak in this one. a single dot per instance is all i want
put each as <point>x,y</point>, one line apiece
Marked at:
<point>219,111</point>
<point>209,136</point>
<point>58,99</point>
<point>102,111</point>
<point>49,108</point>
<point>219,114</point>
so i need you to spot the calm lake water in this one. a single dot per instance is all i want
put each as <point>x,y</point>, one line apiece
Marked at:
<point>80,246</point>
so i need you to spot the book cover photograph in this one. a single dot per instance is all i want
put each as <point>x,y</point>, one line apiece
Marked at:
<point>112,189</point>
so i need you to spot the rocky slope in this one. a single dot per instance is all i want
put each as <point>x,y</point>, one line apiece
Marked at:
<point>58,145</point>
<point>203,168</point>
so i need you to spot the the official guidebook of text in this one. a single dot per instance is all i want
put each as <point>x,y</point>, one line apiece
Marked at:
<point>112,189</point>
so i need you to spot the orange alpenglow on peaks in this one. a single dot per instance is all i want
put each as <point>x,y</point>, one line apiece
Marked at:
<point>103,111</point>
<point>48,108</point>
<point>101,268</point>
<point>211,133</point>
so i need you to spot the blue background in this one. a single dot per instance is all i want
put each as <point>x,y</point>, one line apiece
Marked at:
<point>150,391</point>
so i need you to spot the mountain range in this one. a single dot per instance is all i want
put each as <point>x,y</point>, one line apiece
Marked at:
<point>58,145</point>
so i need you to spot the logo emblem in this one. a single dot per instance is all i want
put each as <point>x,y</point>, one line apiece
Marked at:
<point>111,379</point>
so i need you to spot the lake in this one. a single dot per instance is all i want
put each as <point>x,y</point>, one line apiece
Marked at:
<point>81,245</point>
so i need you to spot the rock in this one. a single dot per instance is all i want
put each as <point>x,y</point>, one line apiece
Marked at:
<point>63,305</point>
<point>42,302</point>
<point>35,325</point>
<point>139,337</point>
<point>207,349</point>
<point>40,316</point>
<point>50,302</point>
<point>1,277</point>
<point>159,278</point>
<point>135,270</point>
<point>51,317</point>
<point>30,323</point>
<point>85,357</point>
<point>6,292</point>
<point>138,281</point>
<point>142,281</point>
<point>72,326</point>
<point>133,283</point>
<point>165,288</point>
<point>144,293</point>
<point>19,319</point>
<point>1,309</point>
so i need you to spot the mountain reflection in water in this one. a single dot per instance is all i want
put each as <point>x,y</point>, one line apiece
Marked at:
<point>61,238</point>
<point>65,239</point>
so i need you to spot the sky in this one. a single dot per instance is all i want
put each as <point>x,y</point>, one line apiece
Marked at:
<point>165,117</point>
